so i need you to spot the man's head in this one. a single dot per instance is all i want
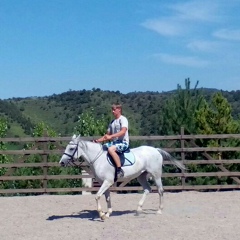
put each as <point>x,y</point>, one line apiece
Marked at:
<point>117,110</point>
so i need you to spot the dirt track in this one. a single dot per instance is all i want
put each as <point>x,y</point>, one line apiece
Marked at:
<point>186,216</point>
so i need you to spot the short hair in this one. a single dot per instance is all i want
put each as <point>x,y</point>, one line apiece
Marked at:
<point>119,106</point>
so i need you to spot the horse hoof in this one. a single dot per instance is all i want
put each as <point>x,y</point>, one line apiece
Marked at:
<point>103,217</point>
<point>137,213</point>
<point>159,212</point>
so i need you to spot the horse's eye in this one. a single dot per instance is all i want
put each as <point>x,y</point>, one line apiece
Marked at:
<point>71,149</point>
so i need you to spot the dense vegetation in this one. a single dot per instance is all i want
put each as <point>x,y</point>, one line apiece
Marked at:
<point>145,110</point>
<point>199,111</point>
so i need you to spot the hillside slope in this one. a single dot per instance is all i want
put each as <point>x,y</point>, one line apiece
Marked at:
<point>61,111</point>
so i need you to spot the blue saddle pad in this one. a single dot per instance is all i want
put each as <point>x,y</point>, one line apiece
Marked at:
<point>127,158</point>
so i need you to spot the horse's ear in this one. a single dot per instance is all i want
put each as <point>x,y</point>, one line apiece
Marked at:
<point>78,137</point>
<point>74,136</point>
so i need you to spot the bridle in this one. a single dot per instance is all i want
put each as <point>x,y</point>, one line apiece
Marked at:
<point>71,157</point>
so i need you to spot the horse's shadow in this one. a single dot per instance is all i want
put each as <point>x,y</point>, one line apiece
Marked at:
<point>91,215</point>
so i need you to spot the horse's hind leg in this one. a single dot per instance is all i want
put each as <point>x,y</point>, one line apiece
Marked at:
<point>158,182</point>
<point>142,179</point>
<point>108,201</point>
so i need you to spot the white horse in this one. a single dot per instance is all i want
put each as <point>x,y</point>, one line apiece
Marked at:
<point>148,160</point>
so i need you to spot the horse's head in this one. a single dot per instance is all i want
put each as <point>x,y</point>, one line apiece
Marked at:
<point>72,152</point>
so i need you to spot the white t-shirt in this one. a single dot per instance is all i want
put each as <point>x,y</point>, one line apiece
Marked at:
<point>116,125</point>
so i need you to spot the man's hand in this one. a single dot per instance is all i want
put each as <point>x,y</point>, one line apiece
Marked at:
<point>107,137</point>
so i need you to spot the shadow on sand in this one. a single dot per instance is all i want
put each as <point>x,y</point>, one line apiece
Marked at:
<point>91,215</point>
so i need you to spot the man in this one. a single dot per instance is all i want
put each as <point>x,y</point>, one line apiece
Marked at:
<point>117,135</point>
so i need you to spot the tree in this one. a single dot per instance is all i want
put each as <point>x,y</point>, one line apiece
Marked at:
<point>40,130</point>
<point>3,127</point>
<point>180,109</point>
<point>177,112</point>
<point>89,125</point>
<point>216,118</point>
<point>3,158</point>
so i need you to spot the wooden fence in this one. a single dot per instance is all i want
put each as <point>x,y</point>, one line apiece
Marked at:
<point>181,144</point>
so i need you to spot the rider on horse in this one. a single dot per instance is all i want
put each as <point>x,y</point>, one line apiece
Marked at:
<point>117,135</point>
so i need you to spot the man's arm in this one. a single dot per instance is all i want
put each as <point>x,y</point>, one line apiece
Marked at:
<point>102,139</point>
<point>118,134</point>
<point>108,136</point>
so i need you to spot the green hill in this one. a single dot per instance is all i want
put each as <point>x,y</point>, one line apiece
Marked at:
<point>61,111</point>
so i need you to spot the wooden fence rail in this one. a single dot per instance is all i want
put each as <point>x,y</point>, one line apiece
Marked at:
<point>183,145</point>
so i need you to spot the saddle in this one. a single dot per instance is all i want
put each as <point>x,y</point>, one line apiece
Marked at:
<point>127,158</point>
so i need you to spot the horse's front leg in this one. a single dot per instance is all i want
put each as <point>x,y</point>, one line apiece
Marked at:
<point>108,201</point>
<point>105,186</point>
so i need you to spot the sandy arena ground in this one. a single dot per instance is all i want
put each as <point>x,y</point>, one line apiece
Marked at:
<point>186,216</point>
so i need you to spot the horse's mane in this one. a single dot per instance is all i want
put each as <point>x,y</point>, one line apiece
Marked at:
<point>86,146</point>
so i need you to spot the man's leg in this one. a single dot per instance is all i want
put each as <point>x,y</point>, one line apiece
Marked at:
<point>112,152</point>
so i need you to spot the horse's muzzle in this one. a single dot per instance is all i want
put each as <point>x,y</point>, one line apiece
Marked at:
<point>62,164</point>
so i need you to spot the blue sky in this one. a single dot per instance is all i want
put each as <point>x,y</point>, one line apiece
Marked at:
<point>51,46</point>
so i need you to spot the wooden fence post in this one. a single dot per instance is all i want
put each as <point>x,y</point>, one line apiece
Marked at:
<point>45,159</point>
<point>182,154</point>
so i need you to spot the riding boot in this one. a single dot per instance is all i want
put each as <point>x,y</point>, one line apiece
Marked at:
<point>120,173</point>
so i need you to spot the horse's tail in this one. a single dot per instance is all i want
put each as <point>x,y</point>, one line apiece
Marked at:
<point>167,156</point>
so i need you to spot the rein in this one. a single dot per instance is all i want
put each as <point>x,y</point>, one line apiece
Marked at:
<point>97,156</point>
